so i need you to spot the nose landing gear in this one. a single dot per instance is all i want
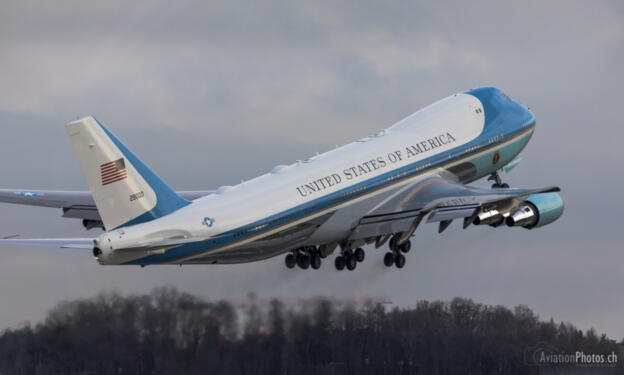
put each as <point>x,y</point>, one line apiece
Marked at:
<point>498,183</point>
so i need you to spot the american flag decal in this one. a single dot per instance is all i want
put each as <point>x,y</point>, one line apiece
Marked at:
<point>113,171</point>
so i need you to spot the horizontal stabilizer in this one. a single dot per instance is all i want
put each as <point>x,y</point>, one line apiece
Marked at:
<point>59,243</point>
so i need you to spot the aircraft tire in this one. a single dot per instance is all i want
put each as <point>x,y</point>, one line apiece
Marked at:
<point>400,261</point>
<point>303,261</point>
<point>315,262</point>
<point>393,242</point>
<point>406,246</point>
<point>340,263</point>
<point>388,259</point>
<point>359,254</point>
<point>290,261</point>
<point>351,263</point>
<point>322,251</point>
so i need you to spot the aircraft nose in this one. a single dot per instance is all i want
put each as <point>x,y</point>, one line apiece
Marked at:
<point>527,117</point>
<point>522,114</point>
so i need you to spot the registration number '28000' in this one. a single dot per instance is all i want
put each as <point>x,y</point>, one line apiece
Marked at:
<point>136,196</point>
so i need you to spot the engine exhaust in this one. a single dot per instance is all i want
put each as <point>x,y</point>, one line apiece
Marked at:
<point>492,217</point>
<point>526,216</point>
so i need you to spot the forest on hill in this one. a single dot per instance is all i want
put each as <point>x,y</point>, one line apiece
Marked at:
<point>171,332</point>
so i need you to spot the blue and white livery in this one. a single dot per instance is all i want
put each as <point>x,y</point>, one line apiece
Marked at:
<point>376,190</point>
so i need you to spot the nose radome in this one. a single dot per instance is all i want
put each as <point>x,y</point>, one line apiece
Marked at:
<point>524,113</point>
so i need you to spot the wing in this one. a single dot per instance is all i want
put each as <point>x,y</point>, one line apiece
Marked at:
<point>75,204</point>
<point>61,243</point>
<point>442,200</point>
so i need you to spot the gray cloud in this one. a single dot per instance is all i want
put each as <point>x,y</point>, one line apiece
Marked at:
<point>212,93</point>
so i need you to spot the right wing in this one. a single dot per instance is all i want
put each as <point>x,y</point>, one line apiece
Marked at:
<point>75,204</point>
<point>442,200</point>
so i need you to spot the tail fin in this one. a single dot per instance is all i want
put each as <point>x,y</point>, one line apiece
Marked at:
<point>126,192</point>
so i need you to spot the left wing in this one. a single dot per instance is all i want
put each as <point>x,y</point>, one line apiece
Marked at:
<point>75,204</point>
<point>442,200</point>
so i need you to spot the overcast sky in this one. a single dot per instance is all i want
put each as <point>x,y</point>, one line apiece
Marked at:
<point>209,94</point>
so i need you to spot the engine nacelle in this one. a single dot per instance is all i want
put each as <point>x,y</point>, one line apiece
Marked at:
<point>491,217</point>
<point>537,211</point>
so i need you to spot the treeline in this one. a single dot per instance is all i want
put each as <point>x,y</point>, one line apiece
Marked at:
<point>170,332</point>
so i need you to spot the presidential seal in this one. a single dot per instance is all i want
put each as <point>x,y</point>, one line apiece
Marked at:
<point>496,158</point>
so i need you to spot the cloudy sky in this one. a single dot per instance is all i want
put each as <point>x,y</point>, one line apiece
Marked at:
<point>209,94</point>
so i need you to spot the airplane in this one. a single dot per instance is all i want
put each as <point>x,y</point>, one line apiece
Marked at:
<point>376,190</point>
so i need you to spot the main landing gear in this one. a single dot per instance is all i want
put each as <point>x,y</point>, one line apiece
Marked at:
<point>349,259</point>
<point>306,257</point>
<point>498,183</point>
<point>311,256</point>
<point>394,256</point>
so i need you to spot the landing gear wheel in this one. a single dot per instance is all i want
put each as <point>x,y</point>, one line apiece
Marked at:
<point>393,242</point>
<point>351,263</point>
<point>303,261</point>
<point>498,183</point>
<point>290,261</point>
<point>359,254</point>
<point>388,259</point>
<point>399,260</point>
<point>315,262</point>
<point>406,246</point>
<point>322,251</point>
<point>340,263</point>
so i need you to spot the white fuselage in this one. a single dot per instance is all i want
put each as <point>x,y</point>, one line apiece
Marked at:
<point>443,126</point>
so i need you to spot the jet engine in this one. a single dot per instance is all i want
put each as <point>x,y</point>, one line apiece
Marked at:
<point>536,211</point>
<point>490,217</point>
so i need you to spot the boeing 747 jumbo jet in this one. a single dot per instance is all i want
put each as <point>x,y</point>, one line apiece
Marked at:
<point>376,190</point>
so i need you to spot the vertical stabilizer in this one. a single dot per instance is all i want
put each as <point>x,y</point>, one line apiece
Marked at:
<point>126,192</point>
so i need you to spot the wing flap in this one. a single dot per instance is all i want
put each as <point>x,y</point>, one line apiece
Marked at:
<point>443,214</point>
<point>374,229</point>
<point>81,212</point>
